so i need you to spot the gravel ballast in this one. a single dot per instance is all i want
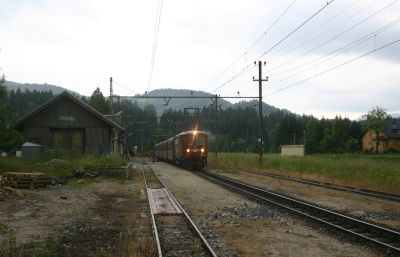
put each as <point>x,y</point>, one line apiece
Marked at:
<point>237,226</point>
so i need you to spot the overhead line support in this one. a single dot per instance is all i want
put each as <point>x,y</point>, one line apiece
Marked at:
<point>215,105</point>
<point>260,115</point>
<point>111,97</point>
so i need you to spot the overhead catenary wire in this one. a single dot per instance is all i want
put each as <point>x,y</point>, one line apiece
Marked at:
<point>296,29</point>
<point>317,61</point>
<point>336,36</point>
<point>125,87</point>
<point>155,42</point>
<point>255,42</point>
<point>320,26</point>
<point>250,66</point>
<point>333,68</point>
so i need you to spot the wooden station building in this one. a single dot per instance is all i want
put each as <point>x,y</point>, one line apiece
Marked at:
<point>66,123</point>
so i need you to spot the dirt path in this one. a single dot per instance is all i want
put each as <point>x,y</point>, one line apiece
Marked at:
<point>236,226</point>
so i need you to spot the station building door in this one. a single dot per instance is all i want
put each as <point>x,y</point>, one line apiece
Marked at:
<point>67,139</point>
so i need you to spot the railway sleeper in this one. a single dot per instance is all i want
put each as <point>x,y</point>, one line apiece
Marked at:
<point>340,221</point>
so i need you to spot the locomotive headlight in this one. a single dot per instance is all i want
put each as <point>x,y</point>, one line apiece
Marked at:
<point>188,150</point>
<point>202,150</point>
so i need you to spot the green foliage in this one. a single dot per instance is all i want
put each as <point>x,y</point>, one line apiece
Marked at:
<point>98,102</point>
<point>352,145</point>
<point>9,138</point>
<point>375,120</point>
<point>74,161</point>
<point>312,135</point>
<point>23,102</point>
<point>238,130</point>
<point>8,242</point>
<point>141,125</point>
<point>336,136</point>
<point>47,248</point>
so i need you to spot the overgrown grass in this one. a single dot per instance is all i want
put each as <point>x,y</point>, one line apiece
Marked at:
<point>47,248</point>
<point>45,164</point>
<point>380,172</point>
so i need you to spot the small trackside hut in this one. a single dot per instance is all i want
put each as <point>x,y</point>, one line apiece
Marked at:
<point>189,149</point>
<point>65,123</point>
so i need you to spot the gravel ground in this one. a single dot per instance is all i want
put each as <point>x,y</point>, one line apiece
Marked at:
<point>107,217</point>
<point>368,208</point>
<point>236,226</point>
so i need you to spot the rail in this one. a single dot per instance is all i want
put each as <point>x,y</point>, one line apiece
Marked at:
<point>361,191</point>
<point>381,236</point>
<point>153,221</point>
<point>204,244</point>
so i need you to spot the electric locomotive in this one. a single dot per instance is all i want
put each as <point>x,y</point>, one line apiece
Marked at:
<point>189,149</point>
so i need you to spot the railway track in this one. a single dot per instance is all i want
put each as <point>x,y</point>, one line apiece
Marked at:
<point>385,238</point>
<point>175,234</point>
<point>361,191</point>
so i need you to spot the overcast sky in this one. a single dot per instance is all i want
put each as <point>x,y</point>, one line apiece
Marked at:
<point>79,44</point>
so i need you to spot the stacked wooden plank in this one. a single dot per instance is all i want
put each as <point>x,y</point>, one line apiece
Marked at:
<point>24,180</point>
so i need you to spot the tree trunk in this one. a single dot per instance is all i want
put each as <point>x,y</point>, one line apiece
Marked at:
<point>377,141</point>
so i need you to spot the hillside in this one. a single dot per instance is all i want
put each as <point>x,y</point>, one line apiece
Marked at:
<point>159,103</point>
<point>266,108</point>
<point>34,86</point>
<point>180,104</point>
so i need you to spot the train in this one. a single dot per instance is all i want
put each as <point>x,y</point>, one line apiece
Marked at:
<point>187,149</point>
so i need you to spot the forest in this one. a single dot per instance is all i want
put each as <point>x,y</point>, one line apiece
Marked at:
<point>237,127</point>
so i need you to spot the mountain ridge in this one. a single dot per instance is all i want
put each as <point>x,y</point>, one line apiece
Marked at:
<point>161,104</point>
<point>11,85</point>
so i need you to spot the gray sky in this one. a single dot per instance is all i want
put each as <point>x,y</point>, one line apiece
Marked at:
<point>79,44</point>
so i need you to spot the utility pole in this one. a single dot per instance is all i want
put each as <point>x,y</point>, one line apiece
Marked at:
<point>260,116</point>
<point>111,97</point>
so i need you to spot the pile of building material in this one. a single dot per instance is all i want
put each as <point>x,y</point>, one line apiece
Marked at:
<point>23,180</point>
<point>114,171</point>
<point>79,173</point>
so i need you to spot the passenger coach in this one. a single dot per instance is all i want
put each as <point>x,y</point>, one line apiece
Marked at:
<point>188,148</point>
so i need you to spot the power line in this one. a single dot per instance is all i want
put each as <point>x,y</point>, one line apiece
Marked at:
<point>334,53</point>
<point>333,68</point>
<point>246,69</point>
<point>155,41</point>
<point>337,36</point>
<point>270,27</point>
<point>307,35</point>
<point>125,87</point>
<point>256,41</point>
<point>296,29</point>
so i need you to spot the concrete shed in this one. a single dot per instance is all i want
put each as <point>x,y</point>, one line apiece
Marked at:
<point>292,150</point>
<point>30,149</point>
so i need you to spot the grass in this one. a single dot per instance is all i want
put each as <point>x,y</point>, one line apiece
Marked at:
<point>379,172</point>
<point>9,247</point>
<point>73,161</point>
<point>47,248</point>
<point>152,180</point>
